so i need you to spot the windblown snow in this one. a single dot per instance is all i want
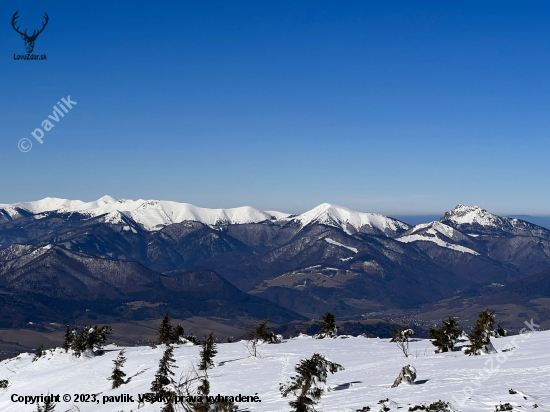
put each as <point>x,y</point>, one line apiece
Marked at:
<point>470,384</point>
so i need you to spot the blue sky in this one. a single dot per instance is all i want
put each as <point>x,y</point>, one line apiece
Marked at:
<point>395,107</point>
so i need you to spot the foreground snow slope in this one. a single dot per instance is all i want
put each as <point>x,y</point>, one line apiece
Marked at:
<point>371,367</point>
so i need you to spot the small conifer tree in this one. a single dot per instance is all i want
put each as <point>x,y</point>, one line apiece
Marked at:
<point>179,333</point>
<point>79,344</point>
<point>260,333</point>
<point>49,405</point>
<point>307,386</point>
<point>193,339</point>
<point>90,338</point>
<point>480,336</point>
<point>39,353</point>
<point>164,374</point>
<point>500,332</point>
<point>263,333</point>
<point>207,353</point>
<point>328,326</point>
<point>117,376</point>
<point>165,333</point>
<point>68,339</point>
<point>445,337</point>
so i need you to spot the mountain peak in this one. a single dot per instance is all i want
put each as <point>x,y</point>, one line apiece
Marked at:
<point>463,214</point>
<point>107,199</point>
<point>349,220</point>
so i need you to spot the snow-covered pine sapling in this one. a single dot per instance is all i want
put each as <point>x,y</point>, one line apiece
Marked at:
<point>262,333</point>
<point>328,326</point>
<point>401,337</point>
<point>480,336</point>
<point>207,353</point>
<point>164,374</point>
<point>168,334</point>
<point>39,353</point>
<point>117,376</point>
<point>193,339</point>
<point>165,333</point>
<point>90,339</point>
<point>501,332</point>
<point>97,337</point>
<point>308,385</point>
<point>178,333</point>
<point>445,337</point>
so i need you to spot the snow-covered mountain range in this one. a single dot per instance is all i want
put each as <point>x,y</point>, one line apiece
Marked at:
<point>325,258</point>
<point>156,214</point>
<point>150,214</point>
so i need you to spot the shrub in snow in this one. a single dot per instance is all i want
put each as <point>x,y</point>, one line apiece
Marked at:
<point>501,332</point>
<point>480,336</point>
<point>445,337</point>
<point>48,406</point>
<point>193,339</point>
<point>327,326</point>
<point>401,337</point>
<point>438,406</point>
<point>505,407</point>
<point>4,383</point>
<point>308,385</point>
<point>39,353</point>
<point>117,376</point>
<point>407,375</point>
<point>385,405</point>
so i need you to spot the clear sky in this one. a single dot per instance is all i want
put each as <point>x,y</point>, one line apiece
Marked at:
<point>396,107</point>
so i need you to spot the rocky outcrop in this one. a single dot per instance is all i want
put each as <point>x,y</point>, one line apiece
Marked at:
<point>407,375</point>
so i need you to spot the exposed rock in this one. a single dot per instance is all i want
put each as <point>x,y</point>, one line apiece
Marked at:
<point>407,375</point>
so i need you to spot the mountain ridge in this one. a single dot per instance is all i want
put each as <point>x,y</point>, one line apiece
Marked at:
<point>331,257</point>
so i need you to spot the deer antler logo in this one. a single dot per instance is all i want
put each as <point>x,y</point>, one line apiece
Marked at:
<point>29,40</point>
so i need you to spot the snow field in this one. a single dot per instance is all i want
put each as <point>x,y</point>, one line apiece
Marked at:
<point>371,366</point>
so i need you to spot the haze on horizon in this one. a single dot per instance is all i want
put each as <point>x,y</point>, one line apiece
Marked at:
<point>395,107</point>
